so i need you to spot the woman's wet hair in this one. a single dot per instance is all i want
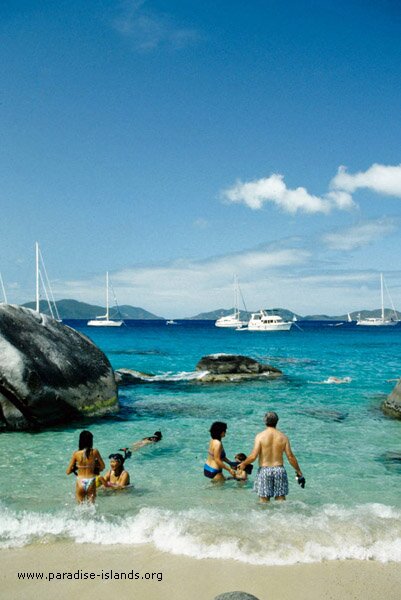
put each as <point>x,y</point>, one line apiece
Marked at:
<point>217,428</point>
<point>240,456</point>
<point>86,442</point>
<point>271,419</point>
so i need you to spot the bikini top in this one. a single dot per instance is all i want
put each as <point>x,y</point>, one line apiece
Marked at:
<point>91,461</point>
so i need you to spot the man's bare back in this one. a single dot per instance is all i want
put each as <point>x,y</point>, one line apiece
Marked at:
<point>270,446</point>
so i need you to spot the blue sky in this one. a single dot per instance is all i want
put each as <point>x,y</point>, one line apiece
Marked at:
<point>178,143</point>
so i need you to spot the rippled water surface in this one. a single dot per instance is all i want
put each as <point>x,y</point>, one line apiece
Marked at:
<point>349,451</point>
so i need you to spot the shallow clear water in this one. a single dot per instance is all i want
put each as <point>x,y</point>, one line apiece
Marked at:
<point>350,508</point>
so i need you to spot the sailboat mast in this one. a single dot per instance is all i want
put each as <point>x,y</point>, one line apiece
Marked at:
<point>37,276</point>
<point>382,295</point>
<point>3,289</point>
<point>107,295</point>
<point>236,311</point>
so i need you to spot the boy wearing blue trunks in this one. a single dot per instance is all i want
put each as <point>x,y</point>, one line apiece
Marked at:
<point>270,446</point>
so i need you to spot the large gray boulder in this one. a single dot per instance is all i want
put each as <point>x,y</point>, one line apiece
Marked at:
<point>233,367</point>
<point>49,373</point>
<point>392,405</point>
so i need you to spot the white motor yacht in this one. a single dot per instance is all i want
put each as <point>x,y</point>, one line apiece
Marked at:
<point>262,321</point>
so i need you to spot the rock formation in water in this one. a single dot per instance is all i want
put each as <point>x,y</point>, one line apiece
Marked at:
<point>392,405</point>
<point>49,373</point>
<point>233,367</point>
<point>213,368</point>
<point>130,377</point>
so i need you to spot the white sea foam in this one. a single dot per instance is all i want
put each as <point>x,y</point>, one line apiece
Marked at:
<point>332,379</point>
<point>276,535</point>
<point>181,376</point>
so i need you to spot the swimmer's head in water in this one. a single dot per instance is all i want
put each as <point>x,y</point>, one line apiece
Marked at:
<point>156,437</point>
<point>117,457</point>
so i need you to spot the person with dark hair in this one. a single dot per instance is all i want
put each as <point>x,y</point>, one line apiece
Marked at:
<point>214,465</point>
<point>152,439</point>
<point>116,476</point>
<point>241,474</point>
<point>86,463</point>
<point>270,446</point>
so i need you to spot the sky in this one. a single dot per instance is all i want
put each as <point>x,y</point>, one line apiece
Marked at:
<point>178,143</point>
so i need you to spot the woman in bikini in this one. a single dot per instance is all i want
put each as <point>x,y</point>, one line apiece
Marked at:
<point>117,477</point>
<point>216,457</point>
<point>86,463</point>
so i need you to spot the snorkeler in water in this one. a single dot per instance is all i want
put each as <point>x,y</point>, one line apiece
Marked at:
<point>156,437</point>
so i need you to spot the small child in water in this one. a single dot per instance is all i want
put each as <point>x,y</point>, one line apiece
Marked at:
<point>241,474</point>
<point>117,476</point>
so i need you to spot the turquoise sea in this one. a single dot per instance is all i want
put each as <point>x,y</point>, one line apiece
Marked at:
<point>348,450</point>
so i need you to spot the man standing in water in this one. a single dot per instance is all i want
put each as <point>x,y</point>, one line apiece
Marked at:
<point>270,445</point>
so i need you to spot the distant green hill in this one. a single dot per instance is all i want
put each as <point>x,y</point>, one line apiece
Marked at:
<point>72,309</point>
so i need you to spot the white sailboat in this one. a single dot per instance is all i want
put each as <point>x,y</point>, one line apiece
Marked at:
<point>234,320</point>
<point>104,320</point>
<point>42,278</point>
<point>381,321</point>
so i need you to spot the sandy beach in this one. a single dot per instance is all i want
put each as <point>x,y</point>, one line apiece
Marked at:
<point>179,578</point>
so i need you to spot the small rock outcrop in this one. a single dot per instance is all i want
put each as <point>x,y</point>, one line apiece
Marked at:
<point>130,377</point>
<point>49,373</point>
<point>235,596</point>
<point>392,405</point>
<point>233,367</point>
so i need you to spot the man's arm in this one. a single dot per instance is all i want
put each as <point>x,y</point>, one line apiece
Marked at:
<point>252,456</point>
<point>292,458</point>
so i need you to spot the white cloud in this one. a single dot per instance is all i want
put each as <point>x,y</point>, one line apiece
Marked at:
<point>201,223</point>
<point>150,30</point>
<point>187,287</point>
<point>273,189</point>
<point>378,178</point>
<point>360,235</point>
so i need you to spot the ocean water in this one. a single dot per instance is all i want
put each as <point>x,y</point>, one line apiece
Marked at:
<point>349,451</point>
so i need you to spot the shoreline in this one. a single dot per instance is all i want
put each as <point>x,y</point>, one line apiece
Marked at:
<point>181,578</point>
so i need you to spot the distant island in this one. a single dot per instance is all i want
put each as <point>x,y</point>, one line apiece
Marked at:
<point>73,309</point>
<point>288,315</point>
